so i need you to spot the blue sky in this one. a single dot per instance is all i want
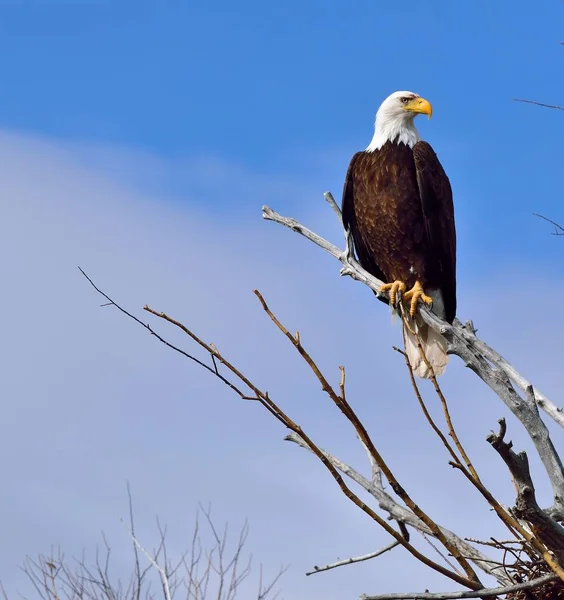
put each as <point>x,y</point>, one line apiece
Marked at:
<point>291,88</point>
<point>140,140</point>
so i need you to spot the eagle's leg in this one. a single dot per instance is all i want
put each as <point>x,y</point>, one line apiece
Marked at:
<point>413,296</point>
<point>394,288</point>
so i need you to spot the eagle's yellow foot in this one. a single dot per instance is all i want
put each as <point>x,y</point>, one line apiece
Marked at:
<point>413,296</point>
<point>394,288</point>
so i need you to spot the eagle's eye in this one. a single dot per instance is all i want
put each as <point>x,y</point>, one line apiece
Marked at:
<point>404,100</point>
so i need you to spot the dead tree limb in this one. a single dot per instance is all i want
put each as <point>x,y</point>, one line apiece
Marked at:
<point>548,531</point>
<point>542,544</point>
<point>486,593</point>
<point>254,393</point>
<point>554,106</point>
<point>462,342</point>
<point>341,403</point>
<point>402,515</point>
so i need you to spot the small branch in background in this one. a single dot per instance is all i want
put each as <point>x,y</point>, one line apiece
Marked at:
<point>354,559</point>
<point>446,413</point>
<point>215,571</point>
<point>558,229</point>
<point>162,572</point>
<point>555,106</point>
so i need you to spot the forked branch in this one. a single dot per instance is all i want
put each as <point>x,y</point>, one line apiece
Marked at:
<point>463,342</point>
<point>263,398</point>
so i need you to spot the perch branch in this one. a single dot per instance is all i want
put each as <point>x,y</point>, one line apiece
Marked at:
<point>351,267</point>
<point>463,342</point>
<point>354,559</point>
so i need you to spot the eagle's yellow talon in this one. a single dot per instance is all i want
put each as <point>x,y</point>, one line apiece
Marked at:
<point>394,288</point>
<point>413,296</point>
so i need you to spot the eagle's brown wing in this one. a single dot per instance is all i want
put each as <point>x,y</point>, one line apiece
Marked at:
<point>438,213</point>
<point>364,254</point>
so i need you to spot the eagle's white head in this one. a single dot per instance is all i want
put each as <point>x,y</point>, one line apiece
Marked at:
<point>394,119</point>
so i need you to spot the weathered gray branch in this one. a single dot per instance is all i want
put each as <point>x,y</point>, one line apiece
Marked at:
<point>553,411</point>
<point>548,531</point>
<point>463,342</point>
<point>403,515</point>
<point>527,585</point>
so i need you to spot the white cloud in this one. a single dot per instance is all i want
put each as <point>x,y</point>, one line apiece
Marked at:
<point>91,400</point>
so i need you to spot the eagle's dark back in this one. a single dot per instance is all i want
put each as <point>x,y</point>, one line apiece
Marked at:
<point>397,203</point>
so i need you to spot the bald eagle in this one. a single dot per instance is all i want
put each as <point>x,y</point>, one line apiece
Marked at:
<point>397,204</point>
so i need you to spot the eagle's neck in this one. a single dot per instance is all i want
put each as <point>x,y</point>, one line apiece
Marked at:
<point>393,129</point>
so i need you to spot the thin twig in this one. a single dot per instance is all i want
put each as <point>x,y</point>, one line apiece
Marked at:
<point>426,412</point>
<point>354,559</point>
<point>555,106</point>
<point>404,516</point>
<point>438,391</point>
<point>162,340</point>
<point>452,431</point>
<point>558,229</point>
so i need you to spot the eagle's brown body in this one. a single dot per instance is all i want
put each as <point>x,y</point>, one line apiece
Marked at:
<point>397,203</point>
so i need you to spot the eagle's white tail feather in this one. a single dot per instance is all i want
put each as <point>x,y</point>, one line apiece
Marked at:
<point>433,345</point>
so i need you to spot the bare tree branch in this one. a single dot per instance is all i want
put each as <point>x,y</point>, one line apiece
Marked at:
<point>347,410</point>
<point>462,342</point>
<point>217,572</point>
<point>354,559</point>
<point>558,229</point>
<point>162,571</point>
<point>484,593</point>
<point>550,533</point>
<point>555,106</point>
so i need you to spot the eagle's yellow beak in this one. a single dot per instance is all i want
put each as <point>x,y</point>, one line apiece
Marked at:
<point>420,106</point>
